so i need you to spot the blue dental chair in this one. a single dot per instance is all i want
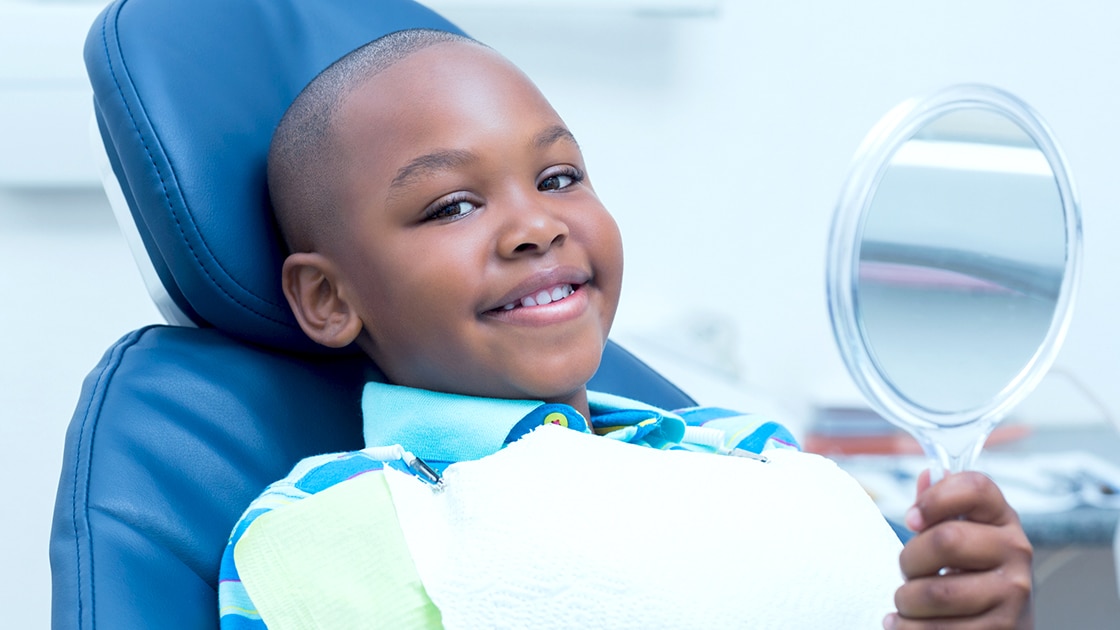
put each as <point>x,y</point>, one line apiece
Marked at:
<point>179,427</point>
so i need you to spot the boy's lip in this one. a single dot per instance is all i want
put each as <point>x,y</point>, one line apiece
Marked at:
<point>544,280</point>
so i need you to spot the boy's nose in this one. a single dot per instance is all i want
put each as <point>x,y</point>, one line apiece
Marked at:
<point>531,231</point>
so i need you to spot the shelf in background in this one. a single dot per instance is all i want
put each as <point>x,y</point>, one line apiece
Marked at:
<point>45,98</point>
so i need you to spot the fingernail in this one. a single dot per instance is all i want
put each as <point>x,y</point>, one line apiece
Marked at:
<point>914,519</point>
<point>890,621</point>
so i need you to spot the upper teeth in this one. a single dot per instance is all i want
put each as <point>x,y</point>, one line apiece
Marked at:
<point>540,298</point>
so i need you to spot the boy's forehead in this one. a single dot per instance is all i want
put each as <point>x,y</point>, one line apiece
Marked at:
<point>442,86</point>
<point>439,79</point>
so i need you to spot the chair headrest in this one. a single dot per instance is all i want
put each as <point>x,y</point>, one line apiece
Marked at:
<point>187,94</point>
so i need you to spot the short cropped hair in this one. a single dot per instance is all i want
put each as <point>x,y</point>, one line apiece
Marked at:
<point>301,177</point>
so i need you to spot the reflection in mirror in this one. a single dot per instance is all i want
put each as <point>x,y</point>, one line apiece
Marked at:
<point>953,261</point>
<point>960,260</point>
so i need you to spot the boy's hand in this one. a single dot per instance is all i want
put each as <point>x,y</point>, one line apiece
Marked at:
<point>969,566</point>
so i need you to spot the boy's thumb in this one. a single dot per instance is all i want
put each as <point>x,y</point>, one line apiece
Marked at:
<point>923,481</point>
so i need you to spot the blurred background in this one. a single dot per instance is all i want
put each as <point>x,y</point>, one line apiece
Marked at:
<point>718,132</point>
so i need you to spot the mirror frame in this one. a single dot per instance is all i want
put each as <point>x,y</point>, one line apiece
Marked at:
<point>870,163</point>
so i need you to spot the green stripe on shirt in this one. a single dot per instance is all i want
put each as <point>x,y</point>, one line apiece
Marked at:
<point>336,559</point>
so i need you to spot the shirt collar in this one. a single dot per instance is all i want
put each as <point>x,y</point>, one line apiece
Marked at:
<point>442,428</point>
<point>436,426</point>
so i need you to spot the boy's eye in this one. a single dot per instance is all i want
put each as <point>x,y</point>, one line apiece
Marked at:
<point>555,182</point>
<point>559,181</point>
<point>456,209</point>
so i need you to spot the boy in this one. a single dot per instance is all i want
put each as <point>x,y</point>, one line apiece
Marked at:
<point>440,217</point>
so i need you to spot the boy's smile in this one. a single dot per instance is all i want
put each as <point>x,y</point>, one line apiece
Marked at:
<point>475,252</point>
<point>547,297</point>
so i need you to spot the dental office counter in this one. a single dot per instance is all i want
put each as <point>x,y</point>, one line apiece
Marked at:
<point>1083,526</point>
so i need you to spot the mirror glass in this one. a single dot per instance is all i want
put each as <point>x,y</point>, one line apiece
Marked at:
<point>960,260</point>
<point>952,264</point>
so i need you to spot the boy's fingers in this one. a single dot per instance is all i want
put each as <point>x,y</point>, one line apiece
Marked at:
<point>965,524</point>
<point>958,595</point>
<point>970,495</point>
<point>965,546</point>
<point>987,622</point>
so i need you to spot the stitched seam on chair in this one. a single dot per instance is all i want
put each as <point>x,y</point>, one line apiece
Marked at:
<point>167,194</point>
<point>97,394</point>
<point>78,466</point>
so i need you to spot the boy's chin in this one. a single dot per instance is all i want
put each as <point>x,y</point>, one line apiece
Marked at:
<point>565,380</point>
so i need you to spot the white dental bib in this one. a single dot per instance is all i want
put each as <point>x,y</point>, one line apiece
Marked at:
<point>568,530</point>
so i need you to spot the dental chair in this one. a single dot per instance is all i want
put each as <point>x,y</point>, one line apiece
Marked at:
<point>180,426</point>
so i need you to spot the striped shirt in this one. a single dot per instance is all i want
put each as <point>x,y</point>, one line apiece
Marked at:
<point>290,562</point>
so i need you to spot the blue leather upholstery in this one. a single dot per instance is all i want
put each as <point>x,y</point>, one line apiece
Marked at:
<point>178,429</point>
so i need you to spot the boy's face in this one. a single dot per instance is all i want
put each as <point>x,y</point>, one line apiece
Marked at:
<point>466,202</point>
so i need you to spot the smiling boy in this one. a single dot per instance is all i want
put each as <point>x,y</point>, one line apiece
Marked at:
<point>469,253</point>
<point>440,216</point>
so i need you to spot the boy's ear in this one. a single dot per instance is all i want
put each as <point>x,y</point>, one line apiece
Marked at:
<point>311,284</point>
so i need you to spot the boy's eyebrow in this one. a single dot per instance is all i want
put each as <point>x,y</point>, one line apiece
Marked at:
<point>452,158</point>
<point>435,161</point>
<point>552,134</point>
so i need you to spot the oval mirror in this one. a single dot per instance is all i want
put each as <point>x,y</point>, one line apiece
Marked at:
<point>952,265</point>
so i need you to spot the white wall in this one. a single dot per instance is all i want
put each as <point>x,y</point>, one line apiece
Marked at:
<point>720,145</point>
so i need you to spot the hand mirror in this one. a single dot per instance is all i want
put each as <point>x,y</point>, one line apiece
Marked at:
<point>952,265</point>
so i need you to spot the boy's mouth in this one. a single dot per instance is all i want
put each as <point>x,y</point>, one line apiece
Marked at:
<point>541,297</point>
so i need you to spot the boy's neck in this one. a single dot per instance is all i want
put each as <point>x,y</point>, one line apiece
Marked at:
<point>578,401</point>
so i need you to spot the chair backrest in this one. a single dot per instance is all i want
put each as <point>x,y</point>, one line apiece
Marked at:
<point>178,428</point>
